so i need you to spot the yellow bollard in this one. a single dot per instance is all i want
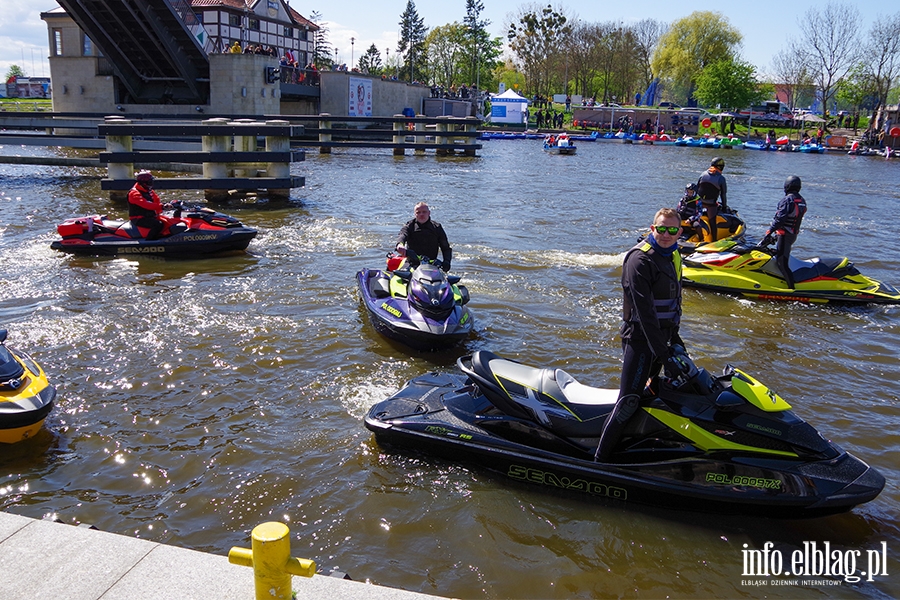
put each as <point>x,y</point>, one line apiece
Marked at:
<point>271,560</point>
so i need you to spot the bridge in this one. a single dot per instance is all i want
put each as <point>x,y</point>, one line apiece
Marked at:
<point>157,48</point>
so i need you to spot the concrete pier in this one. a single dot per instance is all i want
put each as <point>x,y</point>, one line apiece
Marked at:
<point>43,559</point>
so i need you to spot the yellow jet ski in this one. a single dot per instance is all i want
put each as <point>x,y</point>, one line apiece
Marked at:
<point>737,267</point>
<point>26,397</point>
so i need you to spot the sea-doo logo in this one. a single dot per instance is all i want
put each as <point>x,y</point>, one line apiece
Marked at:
<point>391,309</point>
<point>553,480</point>
<point>764,429</point>
<point>12,384</point>
<point>724,433</point>
<point>757,482</point>
<point>142,250</point>
<point>772,396</point>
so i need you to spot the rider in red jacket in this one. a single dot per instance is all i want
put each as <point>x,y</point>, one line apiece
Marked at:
<point>145,208</point>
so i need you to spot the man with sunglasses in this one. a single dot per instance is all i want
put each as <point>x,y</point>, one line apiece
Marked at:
<point>651,314</point>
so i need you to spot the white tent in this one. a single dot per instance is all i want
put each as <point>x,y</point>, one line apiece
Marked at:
<point>509,107</point>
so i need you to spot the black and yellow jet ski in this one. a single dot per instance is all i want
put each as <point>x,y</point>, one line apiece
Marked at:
<point>26,397</point>
<point>725,444</point>
<point>738,267</point>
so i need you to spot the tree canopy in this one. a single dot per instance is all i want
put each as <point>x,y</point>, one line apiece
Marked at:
<point>690,45</point>
<point>729,83</point>
<point>412,43</point>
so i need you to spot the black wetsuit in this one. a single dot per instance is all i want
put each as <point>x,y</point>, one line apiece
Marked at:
<point>710,187</point>
<point>425,239</point>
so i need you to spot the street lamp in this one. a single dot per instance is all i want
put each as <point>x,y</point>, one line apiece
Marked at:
<point>352,40</point>
<point>336,60</point>
<point>387,61</point>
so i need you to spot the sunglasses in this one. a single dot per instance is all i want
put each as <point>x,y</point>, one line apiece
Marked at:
<point>661,229</point>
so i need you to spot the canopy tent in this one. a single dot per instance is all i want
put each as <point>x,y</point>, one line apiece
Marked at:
<point>509,107</point>
<point>811,118</point>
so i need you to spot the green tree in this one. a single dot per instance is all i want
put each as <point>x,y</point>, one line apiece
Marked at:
<point>412,42</point>
<point>447,61</point>
<point>536,38</point>
<point>15,71</point>
<point>729,83</point>
<point>322,54</point>
<point>690,45</point>
<point>477,39</point>
<point>882,57</point>
<point>370,61</point>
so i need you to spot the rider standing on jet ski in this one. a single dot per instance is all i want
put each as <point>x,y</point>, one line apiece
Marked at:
<point>710,187</point>
<point>145,207</point>
<point>651,311</point>
<point>425,237</point>
<point>786,226</point>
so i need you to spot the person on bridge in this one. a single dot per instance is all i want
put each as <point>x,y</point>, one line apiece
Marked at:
<point>145,208</point>
<point>425,237</point>
<point>785,226</point>
<point>713,193</point>
<point>651,315</point>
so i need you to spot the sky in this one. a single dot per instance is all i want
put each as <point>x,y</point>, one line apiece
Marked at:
<point>766,28</point>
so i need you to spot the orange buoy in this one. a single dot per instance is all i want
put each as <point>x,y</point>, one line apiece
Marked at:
<point>895,131</point>
<point>706,122</point>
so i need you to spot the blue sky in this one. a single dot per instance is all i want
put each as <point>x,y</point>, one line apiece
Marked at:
<point>766,28</point>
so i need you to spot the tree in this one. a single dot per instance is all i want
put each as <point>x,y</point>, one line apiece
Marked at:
<point>321,46</point>
<point>829,39</point>
<point>477,39</point>
<point>412,42</point>
<point>729,83</point>
<point>690,45</point>
<point>370,61</point>
<point>15,71</point>
<point>647,34</point>
<point>535,38</point>
<point>791,74</point>
<point>446,56</point>
<point>882,57</point>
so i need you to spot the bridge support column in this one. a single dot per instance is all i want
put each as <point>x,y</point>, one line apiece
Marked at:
<point>278,143</point>
<point>215,170</point>
<point>119,143</point>
<point>324,123</point>
<point>440,135</point>
<point>399,136</point>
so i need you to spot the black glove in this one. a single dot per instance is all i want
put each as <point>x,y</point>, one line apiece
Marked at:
<point>445,266</point>
<point>766,241</point>
<point>678,362</point>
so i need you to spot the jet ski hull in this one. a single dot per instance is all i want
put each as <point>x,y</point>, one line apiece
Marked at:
<point>25,399</point>
<point>189,244</point>
<point>741,270</point>
<point>393,317</point>
<point>446,415</point>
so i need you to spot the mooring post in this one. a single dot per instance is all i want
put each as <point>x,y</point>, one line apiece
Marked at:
<point>270,557</point>
<point>119,143</point>
<point>325,123</point>
<point>245,143</point>
<point>278,143</point>
<point>215,170</point>
<point>440,135</point>
<point>399,135</point>
<point>471,126</point>
<point>420,138</point>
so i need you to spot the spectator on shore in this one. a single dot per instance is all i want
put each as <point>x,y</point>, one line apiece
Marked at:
<point>235,47</point>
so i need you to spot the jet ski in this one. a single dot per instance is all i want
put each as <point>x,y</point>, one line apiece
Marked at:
<point>201,231</point>
<point>696,232</point>
<point>414,302</point>
<point>725,444</point>
<point>26,397</point>
<point>737,267</point>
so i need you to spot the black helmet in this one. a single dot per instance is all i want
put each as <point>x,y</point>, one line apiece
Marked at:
<point>791,184</point>
<point>691,186</point>
<point>718,162</point>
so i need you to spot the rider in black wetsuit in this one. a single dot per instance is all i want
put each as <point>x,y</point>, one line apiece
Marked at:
<point>425,237</point>
<point>711,187</point>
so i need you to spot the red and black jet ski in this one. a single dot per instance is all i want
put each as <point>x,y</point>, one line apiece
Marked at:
<point>724,444</point>
<point>200,231</point>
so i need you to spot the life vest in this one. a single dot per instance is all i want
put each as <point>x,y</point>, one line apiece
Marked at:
<point>667,309</point>
<point>791,223</point>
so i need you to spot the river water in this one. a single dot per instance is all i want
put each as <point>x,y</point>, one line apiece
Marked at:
<point>198,399</point>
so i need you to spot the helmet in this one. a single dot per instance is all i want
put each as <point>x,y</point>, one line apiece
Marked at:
<point>718,162</point>
<point>144,176</point>
<point>691,187</point>
<point>791,184</point>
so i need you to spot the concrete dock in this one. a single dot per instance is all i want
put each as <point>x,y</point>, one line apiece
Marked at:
<point>44,559</point>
